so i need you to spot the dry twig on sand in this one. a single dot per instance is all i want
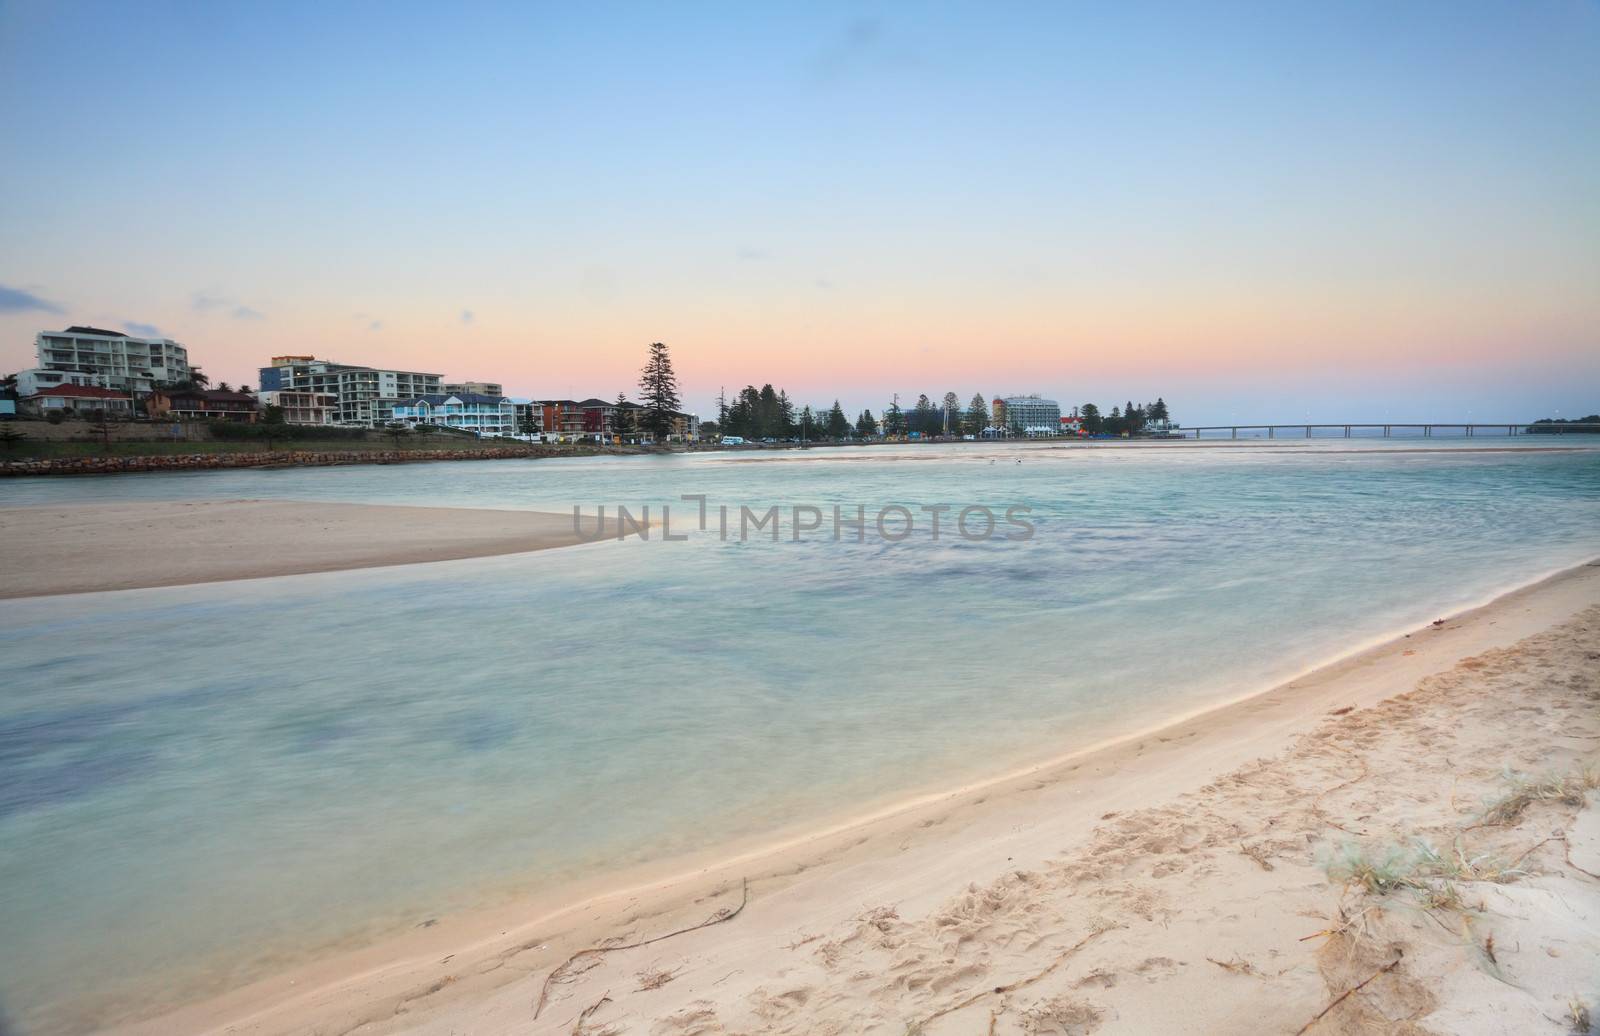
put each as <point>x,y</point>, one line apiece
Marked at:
<point>1341,997</point>
<point>1020,983</point>
<point>581,1025</point>
<point>594,951</point>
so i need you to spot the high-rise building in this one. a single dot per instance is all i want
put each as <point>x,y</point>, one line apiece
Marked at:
<point>367,395</point>
<point>1028,415</point>
<point>120,361</point>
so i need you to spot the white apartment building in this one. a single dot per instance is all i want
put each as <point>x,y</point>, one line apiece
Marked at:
<point>123,362</point>
<point>366,395</point>
<point>492,416</point>
<point>302,406</point>
<point>36,379</point>
<point>1028,415</point>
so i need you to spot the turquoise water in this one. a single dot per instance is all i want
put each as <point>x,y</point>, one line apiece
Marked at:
<point>197,783</point>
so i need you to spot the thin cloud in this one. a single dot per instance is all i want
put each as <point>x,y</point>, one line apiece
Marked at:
<point>15,300</point>
<point>144,330</point>
<point>751,254</point>
<point>204,302</point>
<point>376,325</point>
<point>467,316</point>
<point>862,45</point>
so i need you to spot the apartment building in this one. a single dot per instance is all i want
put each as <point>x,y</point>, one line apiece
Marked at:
<point>366,396</point>
<point>303,406</point>
<point>1027,415</point>
<point>120,361</point>
<point>477,388</point>
<point>563,418</point>
<point>36,379</point>
<point>464,411</point>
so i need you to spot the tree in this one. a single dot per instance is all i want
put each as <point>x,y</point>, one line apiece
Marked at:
<point>425,430</point>
<point>272,414</point>
<point>100,424</point>
<point>9,437</point>
<point>528,422</point>
<point>658,393</point>
<point>1089,414</point>
<point>397,431</point>
<point>952,413</point>
<point>808,424</point>
<point>977,415</point>
<point>924,416</point>
<point>1158,410</point>
<point>783,428</point>
<point>866,425</point>
<point>223,386</point>
<point>894,420</point>
<point>838,424</point>
<point>197,378</point>
<point>621,418</point>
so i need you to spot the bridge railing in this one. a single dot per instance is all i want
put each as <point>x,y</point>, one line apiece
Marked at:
<point>1392,429</point>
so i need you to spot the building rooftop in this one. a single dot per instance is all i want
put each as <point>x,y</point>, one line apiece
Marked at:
<point>78,329</point>
<point>80,392</point>
<point>437,398</point>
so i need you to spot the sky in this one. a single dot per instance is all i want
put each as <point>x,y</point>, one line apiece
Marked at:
<point>1257,211</point>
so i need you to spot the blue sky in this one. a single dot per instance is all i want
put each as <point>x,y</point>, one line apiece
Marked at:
<point>1254,210</point>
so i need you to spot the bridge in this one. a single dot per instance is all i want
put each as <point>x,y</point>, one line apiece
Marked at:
<point>1389,430</point>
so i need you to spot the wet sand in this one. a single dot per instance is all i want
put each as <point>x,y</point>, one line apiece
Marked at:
<point>81,548</point>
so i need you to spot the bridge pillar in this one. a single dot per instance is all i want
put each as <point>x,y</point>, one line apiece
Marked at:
<point>1308,431</point>
<point>1272,431</point>
<point>1236,433</point>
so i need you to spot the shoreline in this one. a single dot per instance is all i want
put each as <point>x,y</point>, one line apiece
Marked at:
<point>484,951</point>
<point>159,463</point>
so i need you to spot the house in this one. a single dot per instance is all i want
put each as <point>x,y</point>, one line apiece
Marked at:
<point>463,411</point>
<point>81,399</point>
<point>186,404</point>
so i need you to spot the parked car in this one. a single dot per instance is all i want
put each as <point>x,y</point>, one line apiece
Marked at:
<point>733,440</point>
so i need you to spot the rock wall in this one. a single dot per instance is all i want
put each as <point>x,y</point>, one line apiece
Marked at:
<point>265,459</point>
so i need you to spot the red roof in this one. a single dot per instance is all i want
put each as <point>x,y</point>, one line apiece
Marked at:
<point>80,392</point>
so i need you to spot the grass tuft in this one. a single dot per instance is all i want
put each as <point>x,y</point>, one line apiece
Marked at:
<point>1524,790</point>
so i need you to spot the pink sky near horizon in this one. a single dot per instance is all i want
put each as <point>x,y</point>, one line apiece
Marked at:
<point>1258,212</point>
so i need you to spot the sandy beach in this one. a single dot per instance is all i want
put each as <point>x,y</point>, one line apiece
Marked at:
<point>1399,842</point>
<point>82,548</point>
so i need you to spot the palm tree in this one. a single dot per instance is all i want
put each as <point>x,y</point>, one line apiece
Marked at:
<point>197,378</point>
